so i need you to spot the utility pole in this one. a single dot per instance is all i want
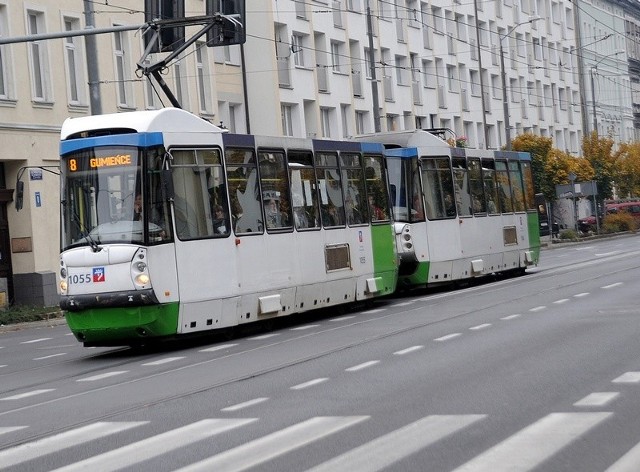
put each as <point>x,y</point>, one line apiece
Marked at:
<point>372,66</point>
<point>93,74</point>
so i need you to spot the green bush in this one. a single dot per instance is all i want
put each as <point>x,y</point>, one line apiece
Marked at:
<point>23,314</point>
<point>568,234</point>
<point>617,222</point>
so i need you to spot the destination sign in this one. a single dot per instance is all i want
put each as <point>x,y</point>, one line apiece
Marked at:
<point>108,161</point>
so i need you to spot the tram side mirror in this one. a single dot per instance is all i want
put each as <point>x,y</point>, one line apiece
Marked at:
<point>19,194</point>
<point>167,184</point>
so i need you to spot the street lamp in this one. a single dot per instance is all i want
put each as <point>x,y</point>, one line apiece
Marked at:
<point>505,103</point>
<point>593,90</point>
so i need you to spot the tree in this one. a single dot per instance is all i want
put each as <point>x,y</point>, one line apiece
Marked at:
<point>559,164</point>
<point>627,170</point>
<point>539,148</point>
<point>597,150</point>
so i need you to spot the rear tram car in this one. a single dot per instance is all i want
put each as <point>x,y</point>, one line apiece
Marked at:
<point>170,225</point>
<point>459,213</point>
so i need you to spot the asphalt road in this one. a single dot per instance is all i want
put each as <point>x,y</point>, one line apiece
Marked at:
<point>540,372</point>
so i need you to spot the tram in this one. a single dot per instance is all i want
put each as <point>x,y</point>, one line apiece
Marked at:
<point>171,225</point>
<point>459,213</point>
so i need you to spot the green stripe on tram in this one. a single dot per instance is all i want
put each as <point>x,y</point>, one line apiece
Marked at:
<point>385,264</point>
<point>533,226</point>
<point>116,324</point>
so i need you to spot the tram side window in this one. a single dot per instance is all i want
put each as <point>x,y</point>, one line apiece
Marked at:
<point>275,190</point>
<point>355,199</point>
<point>304,191</point>
<point>330,189</point>
<point>244,192</point>
<point>377,196</point>
<point>398,186</point>
<point>529,192</point>
<point>504,188</point>
<point>517,187</point>
<point>490,186</point>
<point>461,181</point>
<point>438,183</point>
<point>158,206</point>
<point>198,190</point>
<point>477,190</point>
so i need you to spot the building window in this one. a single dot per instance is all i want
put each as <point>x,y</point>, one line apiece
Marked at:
<point>325,120</point>
<point>297,49</point>
<point>361,120</point>
<point>336,57</point>
<point>41,87</point>
<point>181,86</point>
<point>287,119</point>
<point>5,82</point>
<point>123,69</point>
<point>203,79</point>
<point>74,63</point>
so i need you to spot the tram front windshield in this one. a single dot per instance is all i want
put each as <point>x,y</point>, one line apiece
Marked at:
<point>102,198</point>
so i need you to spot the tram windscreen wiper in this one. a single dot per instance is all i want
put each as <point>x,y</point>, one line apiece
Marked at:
<point>95,247</point>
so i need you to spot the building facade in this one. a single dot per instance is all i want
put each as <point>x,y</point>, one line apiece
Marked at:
<point>309,68</point>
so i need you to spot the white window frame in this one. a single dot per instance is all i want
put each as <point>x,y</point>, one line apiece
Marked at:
<point>286,112</point>
<point>181,84</point>
<point>6,68</point>
<point>122,67</point>
<point>203,78</point>
<point>336,57</point>
<point>297,49</point>
<point>41,91</point>
<point>74,62</point>
<point>325,121</point>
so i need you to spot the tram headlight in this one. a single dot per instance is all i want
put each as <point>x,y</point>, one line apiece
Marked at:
<point>63,286</point>
<point>141,266</point>
<point>142,279</point>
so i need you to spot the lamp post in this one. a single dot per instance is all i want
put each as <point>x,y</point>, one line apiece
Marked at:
<point>572,178</point>
<point>593,90</point>
<point>503,73</point>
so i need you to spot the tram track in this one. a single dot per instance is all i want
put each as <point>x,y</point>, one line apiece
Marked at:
<point>432,301</point>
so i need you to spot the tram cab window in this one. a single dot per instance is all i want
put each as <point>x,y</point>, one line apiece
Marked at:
<point>477,188</point>
<point>304,191</point>
<point>490,186</point>
<point>199,191</point>
<point>438,186</point>
<point>517,187</point>
<point>275,190</point>
<point>461,187</point>
<point>527,178</point>
<point>330,189</point>
<point>355,200</point>
<point>504,187</point>
<point>377,196</point>
<point>244,191</point>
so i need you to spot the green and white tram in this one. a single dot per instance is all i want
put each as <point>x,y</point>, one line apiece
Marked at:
<point>459,213</point>
<point>170,225</point>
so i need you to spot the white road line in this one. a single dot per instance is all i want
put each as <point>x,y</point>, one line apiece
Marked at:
<point>537,308</point>
<point>604,254</point>
<point>50,356</point>
<point>629,377</point>
<point>32,393</point>
<point>364,365</point>
<point>561,301</point>
<point>627,463</point>
<point>164,361</point>
<point>617,284</point>
<point>448,336</point>
<point>3,365</point>
<point>342,318</point>
<point>217,348</point>
<point>369,312</point>
<point>146,449</point>
<point>408,350</point>
<point>41,447</point>
<point>9,429</point>
<point>301,328</point>
<point>402,304</point>
<point>246,404</point>
<point>580,295</point>
<point>534,444</point>
<point>480,326</point>
<point>273,445</point>
<point>35,341</point>
<point>510,317</point>
<point>264,336</point>
<point>106,375</point>
<point>310,383</point>
<point>597,399</point>
<point>390,448</point>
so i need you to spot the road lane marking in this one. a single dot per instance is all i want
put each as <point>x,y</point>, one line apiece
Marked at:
<point>370,312</point>
<point>164,361</point>
<point>510,317</point>
<point>402,304</point>
<point>364,365</point>
<point>310,383</point>
<point>149,448</point>
<point>264,336</point>
<point>480,326</point>
<point>301,328</point>
<point>538,308</point>
<point>597,399</point>
<point>41,447</point>
<point>534,444</point>
<point>10,429</point>
<point>448,336</point>
<point>408,350</point>
<point>246,404</point>
<point>580,295</point>
<point>106,375</point>
<point>342,318</point>
<point>627,463</point>
<point>217,348</point>
<point>617,284</point>
<point>274,445</point>
<point>35,341</point>
<point>32,393</point>
<point>561,301</point>
<point>392,447</point>
<point>629,377</point>
<point>50,356</point>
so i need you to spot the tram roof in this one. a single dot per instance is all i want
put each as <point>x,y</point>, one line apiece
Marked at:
<point>407,138</point>
<point>163,120</point>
